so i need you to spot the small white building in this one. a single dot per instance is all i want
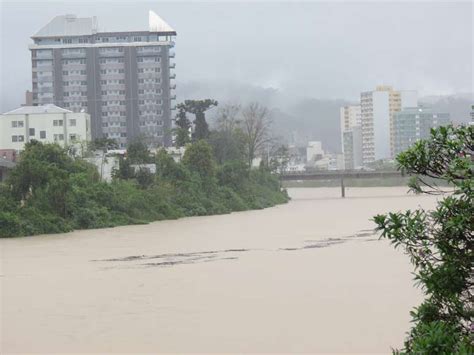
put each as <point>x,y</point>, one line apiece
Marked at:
<point>47,124</point>
<point>314,151</point>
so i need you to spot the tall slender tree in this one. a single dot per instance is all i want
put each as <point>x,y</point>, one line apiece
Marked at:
<point>198,108</point>
<point>184,126</point>
<point>256,124</point>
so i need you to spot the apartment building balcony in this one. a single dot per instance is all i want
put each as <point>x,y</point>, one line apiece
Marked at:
<point>173,97</point>
<point>148,50</point>
<point>73,55</point>
<point>43,56</point>
<point>172,65</point>
<point>173,76</point>
<point>171,54</point>
<point>111,54</point>
<point>173,87</point>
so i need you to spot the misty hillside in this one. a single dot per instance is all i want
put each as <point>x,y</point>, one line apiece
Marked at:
<point>458,106</point>
<point>298,119</point>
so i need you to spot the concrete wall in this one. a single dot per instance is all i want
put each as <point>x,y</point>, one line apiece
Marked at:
<point>42,122</point>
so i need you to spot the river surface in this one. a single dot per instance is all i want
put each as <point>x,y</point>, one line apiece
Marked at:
<point>308,276</point>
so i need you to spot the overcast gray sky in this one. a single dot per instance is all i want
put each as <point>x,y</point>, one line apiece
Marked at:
<point>312,49</point>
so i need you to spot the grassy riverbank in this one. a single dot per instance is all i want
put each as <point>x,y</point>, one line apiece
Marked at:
<point>51,192</point>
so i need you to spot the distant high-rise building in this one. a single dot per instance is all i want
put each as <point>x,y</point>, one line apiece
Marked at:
<point>28,98</point>
<point>350,116</point>
<point>351,140</point>
<point>415,123</point>
<point>122,79</point>
<point>314,151</point>
<point>377,110</point>
<point>352,143</point>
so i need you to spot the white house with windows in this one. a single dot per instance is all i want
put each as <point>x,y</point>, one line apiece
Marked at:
<point>47,124</point>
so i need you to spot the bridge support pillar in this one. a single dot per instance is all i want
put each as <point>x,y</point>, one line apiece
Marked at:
<point>343,188</point>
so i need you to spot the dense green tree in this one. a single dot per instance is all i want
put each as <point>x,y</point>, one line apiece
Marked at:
<point>138,152</point>
<point>183,127</point>
<point>199,158</point>
<point>234,174</point>
<point>440,243</point>
<point>198,108</point>
<point>125,170</point>
<point>144,178</point>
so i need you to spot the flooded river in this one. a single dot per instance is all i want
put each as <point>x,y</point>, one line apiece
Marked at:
<point>308,276</point>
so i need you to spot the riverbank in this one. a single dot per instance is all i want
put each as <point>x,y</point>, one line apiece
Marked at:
<point>307,276</point>
<point>52,192</point>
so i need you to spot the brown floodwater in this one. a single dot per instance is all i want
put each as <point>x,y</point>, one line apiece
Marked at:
<point>308,276</point>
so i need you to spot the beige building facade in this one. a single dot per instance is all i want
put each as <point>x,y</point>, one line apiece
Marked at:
<point>47,124</point>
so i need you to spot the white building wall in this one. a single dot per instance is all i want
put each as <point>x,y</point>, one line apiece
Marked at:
<point>313,149</point>
<point>43,122</point>
<point>381,117</point>
<point>350,116</point>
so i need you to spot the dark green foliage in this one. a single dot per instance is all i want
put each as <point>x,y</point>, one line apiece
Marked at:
<point>138,153</point>
<point>198,108</point>
<point>227,145</point>
<point>51,192</point>
<point>144,178</point>
<point>184,126</point>
<point>199,158</point>
<point>233,174</point>
<point>440,242</point>
<point>125,170</point>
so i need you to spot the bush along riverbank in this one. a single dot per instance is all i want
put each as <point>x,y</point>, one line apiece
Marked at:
<point>51,192</point>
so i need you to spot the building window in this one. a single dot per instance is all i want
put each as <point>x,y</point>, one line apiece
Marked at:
<point>14,138</point>
<point>18,124</point>
<point>43,134</point>
<point>58,123</point>
<point>32,132</point>
<point>72,122</point>
<point>73,137</point>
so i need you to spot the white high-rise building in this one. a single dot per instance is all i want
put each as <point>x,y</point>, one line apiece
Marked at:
<point>351,144</point>
<point>377,113</point>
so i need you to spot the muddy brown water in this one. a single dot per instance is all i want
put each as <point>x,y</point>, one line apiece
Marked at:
<point>308,276</point>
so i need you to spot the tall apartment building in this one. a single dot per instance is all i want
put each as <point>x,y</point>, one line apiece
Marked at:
<point>377,113</point>
<point>351,140</point>
<point>122,79</point>
<point>415,123</point>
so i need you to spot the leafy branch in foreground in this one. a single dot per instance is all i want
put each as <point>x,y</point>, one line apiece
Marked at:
<point>439,242</point>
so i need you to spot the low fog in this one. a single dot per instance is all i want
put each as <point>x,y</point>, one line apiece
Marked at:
<point>301,59</point>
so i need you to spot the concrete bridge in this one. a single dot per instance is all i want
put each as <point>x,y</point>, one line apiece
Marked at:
<point>339,175</point>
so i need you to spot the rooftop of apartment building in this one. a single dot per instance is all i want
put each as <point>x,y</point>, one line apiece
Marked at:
<point>31,110</point>
<point>73,26</point>
<point>420,109</point>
